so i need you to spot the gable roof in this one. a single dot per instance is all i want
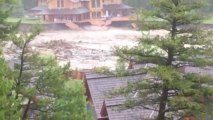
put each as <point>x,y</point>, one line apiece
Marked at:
<point>99,85</point>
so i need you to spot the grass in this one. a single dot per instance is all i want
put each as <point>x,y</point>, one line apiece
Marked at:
<point>24,20</point>
<point>208,21</point>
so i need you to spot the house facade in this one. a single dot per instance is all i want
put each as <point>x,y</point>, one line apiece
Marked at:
<point>80,10</point>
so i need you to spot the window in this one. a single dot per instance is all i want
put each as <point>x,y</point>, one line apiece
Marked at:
<point>93,3</point>
<point>96,3</point>
<point>60,3</point>
<point>96,14</point>
<point>93,14</point>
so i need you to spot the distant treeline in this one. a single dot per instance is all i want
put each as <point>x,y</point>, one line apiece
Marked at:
<point>134,3</point>
<point>210,7</point>
<point>145,4</point>
<point>138,3</point>
<point>29,4</point>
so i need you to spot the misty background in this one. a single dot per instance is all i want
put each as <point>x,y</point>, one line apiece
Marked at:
<point>24,5</point>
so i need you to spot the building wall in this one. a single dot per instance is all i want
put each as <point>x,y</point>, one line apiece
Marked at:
<point>86,4</point>
<point>52,4</point>
<point>96,11</point>
<point>71,5</point>
<point>95,7</point>
<point>112,1</point>
<point>98,8</point>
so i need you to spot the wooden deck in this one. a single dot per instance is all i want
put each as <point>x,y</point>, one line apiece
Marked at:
<point>96,22</point>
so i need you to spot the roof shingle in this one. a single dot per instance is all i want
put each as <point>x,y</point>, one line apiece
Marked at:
<point>100,85</point>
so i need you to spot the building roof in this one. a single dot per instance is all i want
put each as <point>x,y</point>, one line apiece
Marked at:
<point>199,70</point>
<point>114,113</point>
<point>80,10</point>
<point>100,85</point>
<point>116,7</point>
<point>39,8</point>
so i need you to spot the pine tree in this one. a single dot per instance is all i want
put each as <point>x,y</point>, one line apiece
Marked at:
<point>170,91</point>
<point>6,7</point>
<point>8,103</point>
<point>41,83</point>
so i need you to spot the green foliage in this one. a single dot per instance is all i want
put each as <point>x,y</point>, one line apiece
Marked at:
<point>8,104</point>
<point>44,84</point>
<point>5,12</point>
<point>169,90</point>
<point>121,69</point>
<point>103,70</point>
<point>69,101</point>
<point>70,108</point>
<point>9,107</point>
<point>24,20</point>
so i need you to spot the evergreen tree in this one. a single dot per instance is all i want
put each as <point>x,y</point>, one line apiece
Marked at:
<point>37,87</point>
<point>8,103</point>
<point>5,11</point>
<point>41,83</point>
<point>170,91</point>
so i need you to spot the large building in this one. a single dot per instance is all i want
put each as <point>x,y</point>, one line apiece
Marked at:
<point>80,10</point>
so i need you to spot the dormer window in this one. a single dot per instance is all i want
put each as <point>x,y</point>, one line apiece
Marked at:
<point>60,3</point>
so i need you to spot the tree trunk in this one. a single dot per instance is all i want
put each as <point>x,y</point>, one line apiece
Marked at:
<point>162,107</point>
<point>26,110</point>
<point>20,71</point>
